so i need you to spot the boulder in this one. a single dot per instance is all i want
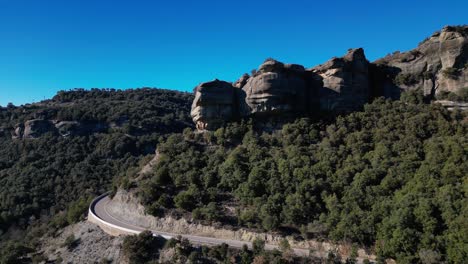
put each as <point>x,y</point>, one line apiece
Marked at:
<point>214,103</point>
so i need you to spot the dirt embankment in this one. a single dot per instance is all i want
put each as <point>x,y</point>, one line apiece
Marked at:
<point>125,205</point>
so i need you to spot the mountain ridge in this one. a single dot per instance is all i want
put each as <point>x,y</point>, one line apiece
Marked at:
<point>342,84</point>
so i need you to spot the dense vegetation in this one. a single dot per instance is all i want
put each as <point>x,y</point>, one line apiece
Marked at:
<point>145,248</point>
<point>460,96</point>
<point>54,175</point>
<point>393,177</point>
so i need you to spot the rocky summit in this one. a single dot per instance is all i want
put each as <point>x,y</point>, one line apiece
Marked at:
<point>439,63</point>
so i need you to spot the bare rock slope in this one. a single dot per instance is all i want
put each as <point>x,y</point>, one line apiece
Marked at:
<point>91,245</point>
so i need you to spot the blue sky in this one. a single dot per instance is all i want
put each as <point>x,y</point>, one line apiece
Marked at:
<point>49,45</point>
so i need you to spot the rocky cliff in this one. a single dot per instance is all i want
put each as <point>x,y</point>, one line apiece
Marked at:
<point>36,127</point>
<point>439,63</point>
<point>337,85</point>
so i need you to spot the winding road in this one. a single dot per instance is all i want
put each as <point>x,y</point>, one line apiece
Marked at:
<point>98,209</point>
<point>112,224</point>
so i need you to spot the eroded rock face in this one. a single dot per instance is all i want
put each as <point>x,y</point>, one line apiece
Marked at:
<point>214,103</point>
<point>275,88</point>
<point>37,127</point>
<point>242,81</point>
<point>345,82</point>
<point>438,64</point>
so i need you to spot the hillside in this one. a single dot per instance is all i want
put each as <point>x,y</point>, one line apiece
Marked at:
<point>58,153</point>
<point>349,152</point>
<point>391,178</point>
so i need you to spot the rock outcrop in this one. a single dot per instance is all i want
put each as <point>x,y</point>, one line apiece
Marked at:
<point>275,88</point>
<point>33,128</point>
<point>214,103</point>
<point>345,82</point>
<point>440,63</point>
<point>37,127</point>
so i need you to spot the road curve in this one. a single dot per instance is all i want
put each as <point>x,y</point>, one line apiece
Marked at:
<point>98,211</point>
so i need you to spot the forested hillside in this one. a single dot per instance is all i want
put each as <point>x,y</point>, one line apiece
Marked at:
<point>55,171</point>
<point>393,177</point>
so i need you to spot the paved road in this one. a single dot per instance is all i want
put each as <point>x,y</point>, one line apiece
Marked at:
<point>100,210</point>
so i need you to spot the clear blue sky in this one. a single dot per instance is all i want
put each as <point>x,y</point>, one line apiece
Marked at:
<point>49,45</point>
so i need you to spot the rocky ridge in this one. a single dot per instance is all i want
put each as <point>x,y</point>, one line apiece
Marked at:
<point>440,63</point>
<point>34,128</point>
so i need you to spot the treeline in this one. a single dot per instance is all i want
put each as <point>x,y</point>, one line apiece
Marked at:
<point>137,110</point>
<point>43,178</point>
<point>393,177</point>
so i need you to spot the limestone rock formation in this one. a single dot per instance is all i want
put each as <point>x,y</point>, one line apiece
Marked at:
<point>242,81</point>
<point>37,127</point>
<point>34,128</point>
<point>345,82</point>
<point>275,88</point>
<point>340,84</point>
<point>214,103</point>
<point>438,64</point>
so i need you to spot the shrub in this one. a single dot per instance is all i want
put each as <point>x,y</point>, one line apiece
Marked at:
<point>463,93</point>
<point>442,95</point>
<point>406,79</point>
<point>184,200</point>
<point>412,96</point>
<point>209,212</point>
<point>12,253</point>
<point>154,209</point>
<point>59,220</point>
<point>453,97</point>
<point>171,243</point>
<point>71,242</point>
<point>284,245</point>
<point>165,201</point>
<point>451,73</point>
<point>258,246</point>
<point>77,210</point>
<point>141,248</point>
